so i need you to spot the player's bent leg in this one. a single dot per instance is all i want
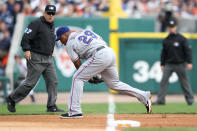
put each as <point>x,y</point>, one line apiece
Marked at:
<point>111,79</point>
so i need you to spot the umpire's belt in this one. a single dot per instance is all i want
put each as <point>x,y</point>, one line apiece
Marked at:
<point>100,48</point>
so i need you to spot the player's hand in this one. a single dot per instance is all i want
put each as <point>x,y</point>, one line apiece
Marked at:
<point>96,80</point>
<point>189,67</point>
<point>27,55</point>
<point>162,68</point>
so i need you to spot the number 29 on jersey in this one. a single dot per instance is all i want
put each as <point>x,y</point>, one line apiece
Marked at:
<point>87,37</point>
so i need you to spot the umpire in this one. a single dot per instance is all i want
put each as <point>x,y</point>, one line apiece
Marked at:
<point>176,56</point>
<point>38,44</point>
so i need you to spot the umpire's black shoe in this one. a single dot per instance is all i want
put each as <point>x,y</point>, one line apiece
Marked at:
<point>158,103</point>
<point>66,116</point>
<point>10,104</point>
<point>54,109</point>
<point>190,103</point>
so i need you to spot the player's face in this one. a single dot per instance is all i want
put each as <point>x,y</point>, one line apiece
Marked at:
<point>49,17</point>
<point>64,38</point>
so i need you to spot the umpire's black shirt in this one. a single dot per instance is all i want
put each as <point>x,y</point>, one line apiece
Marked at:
<point>176,50</point>
<point>39,37</point>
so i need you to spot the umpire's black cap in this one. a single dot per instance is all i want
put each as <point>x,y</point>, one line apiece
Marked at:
<point>172,22</point>
<point>50,9</point>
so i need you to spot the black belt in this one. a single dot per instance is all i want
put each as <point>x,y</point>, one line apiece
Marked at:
<point>99,48</point>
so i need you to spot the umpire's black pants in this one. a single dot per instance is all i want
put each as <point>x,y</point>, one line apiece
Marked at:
<point>181,71</point>
<point>37,66</point>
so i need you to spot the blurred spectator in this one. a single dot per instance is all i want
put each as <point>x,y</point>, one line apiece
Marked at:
<point>136,12</point>
<point>153,6</point>
<point>43,3</point>
<point>34,4</point>
<point>7,17</point>
<point>65,8</point>
<point>103,5</point>
<point>4,48</point>
<point>164,16</point>
<point>194,10</point>
<point>38,11</point>
<point>10,5</point>
<point>17,9</point>
<point>185,12</point>
<point>27,10</point>
<point>80,6</point>
<point>5,43</point>
<point>92,8</point>
<point>87,11</point>
<point>3,28</point>
<point>134,8</point>
<point>60,3</point>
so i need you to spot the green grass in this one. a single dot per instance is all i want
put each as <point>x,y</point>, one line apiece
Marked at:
<point>121,108</point>
<point>159,129</point>
<point>37,109</point>
<point>169,108</point>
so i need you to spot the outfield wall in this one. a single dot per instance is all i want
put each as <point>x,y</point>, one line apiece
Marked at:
<point>138,57</point>
<point>140,64</point>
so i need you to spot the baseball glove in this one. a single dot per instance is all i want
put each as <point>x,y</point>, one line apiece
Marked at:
<point>95,80</point>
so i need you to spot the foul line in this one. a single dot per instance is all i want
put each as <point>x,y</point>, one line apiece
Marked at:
<point>110,116</point>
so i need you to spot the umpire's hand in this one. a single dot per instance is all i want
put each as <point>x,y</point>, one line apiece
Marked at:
<point>189,67</point>
<point>27,55</point>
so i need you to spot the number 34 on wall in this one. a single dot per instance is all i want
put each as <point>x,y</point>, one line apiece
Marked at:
<point>144,72</point>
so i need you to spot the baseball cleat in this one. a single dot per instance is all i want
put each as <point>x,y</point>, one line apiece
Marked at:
<point>10,104</point>
<point>149,104</point>
<point>66,116</point>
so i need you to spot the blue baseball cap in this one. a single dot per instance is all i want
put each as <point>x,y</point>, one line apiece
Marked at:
<point>60,31</point>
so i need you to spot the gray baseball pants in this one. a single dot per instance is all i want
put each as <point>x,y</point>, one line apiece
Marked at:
<point>181,71</point>
<point>37,66</point>
<point>104,62</point>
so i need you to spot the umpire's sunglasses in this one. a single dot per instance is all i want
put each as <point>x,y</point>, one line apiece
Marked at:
<point>51,13</point>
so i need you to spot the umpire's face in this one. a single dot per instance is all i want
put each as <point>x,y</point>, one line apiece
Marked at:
<point>49,16</point>
<point>172,29</point>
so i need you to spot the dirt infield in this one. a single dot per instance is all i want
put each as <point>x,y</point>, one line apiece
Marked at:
<point>91,122</point>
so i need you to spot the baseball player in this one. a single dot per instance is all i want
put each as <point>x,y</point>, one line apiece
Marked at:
<point>100,59</point>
